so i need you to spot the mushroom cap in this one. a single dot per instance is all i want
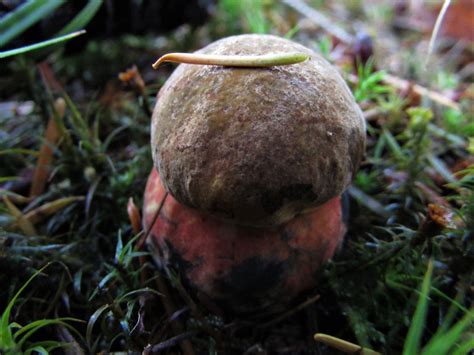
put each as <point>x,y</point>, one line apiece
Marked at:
<point>256,146</point>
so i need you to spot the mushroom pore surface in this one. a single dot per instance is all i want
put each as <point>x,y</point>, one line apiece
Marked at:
<point>256,146</point>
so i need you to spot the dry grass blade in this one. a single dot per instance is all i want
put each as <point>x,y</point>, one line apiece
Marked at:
<point>289,313</point>
<point>52,136</point>
<point>436,28</point>
<point>342,345</point>
<point>15,198</point>
<point>21,221</point>
<point>50,208</point>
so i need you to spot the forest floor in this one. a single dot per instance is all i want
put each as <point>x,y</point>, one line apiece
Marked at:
<point>403,279</point>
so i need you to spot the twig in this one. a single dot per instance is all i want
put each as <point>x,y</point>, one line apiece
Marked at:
<point>197,312</point>
<point>178,328</point>
<point>289,313</point>
<point>342,345</point>
<point>155,217</point>
<point>402,84</point>
<point>134,216</point>
<point>320,20</point>
<point>170,308</point>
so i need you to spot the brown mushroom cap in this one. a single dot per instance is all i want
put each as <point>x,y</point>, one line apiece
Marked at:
<point>256,145</point>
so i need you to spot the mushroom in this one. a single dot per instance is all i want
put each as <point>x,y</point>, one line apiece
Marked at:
<point>256,146</point>
<point>250,165</point>
<point>242,268</point>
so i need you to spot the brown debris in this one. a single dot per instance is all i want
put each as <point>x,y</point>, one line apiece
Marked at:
<point>133,78</point>
<point>52,136</point>
<point>437,219</point>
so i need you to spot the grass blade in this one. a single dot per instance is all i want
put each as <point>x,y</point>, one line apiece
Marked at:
<point>50,208</point>
<point>90,325</point>
<point>392,144</point>
<point>82,18</point>
<point>442,344</point>
<point>20,220</point>
<point>413,340</point>
<point>48,346</point>
<point>37,349</point>
<point>6,338</point>
<point>25,16</point>
<point>33,327</point>
<point>465,347</point>
<point>31,152</point>
<point>40,45</point>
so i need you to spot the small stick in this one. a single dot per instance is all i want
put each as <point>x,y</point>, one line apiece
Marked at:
<point>403,85</point>
<point>178,328</point>
<point>342,345</point>
<point>197,312</point>
<point>289,313</point>
<point>247,61</point>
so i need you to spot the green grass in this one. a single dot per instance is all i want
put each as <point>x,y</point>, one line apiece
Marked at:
<point>23,17</point>
<point>246,15</point>
<point>39,45</point>
<point>393,287</point>
<point>14,338</point>
<point>413,339</point>
<point>28,14</point>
